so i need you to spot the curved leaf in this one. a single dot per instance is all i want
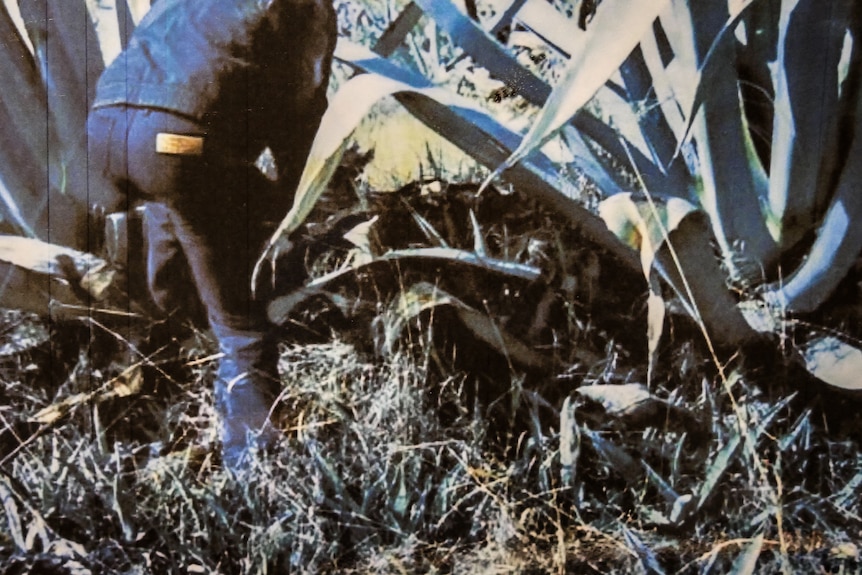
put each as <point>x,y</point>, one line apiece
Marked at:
<point>424,258</point>
<point>424,296</point>
<point>457,118</point>
<point>614,32</point>
<point>807,113</point>
<point>833,361</point>
<point>673,238</point>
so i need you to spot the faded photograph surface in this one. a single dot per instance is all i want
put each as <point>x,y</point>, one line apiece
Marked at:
<point>430,286</point>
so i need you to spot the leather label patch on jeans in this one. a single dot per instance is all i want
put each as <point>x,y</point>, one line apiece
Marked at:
<point>178,144</point>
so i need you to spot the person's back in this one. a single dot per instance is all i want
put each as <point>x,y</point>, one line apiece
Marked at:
<point>179,119</point>
<point>216,61</point>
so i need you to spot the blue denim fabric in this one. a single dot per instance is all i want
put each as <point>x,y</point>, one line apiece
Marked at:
<point>205,220</point>
<point>245,388</point>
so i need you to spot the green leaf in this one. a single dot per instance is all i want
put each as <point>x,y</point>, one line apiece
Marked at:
<point>723,459</point>
<point>642,224</point>
<point>672,236</point>
<point>646,556</point>
<point>620,461</point>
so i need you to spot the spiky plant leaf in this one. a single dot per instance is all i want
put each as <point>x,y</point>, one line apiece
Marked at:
<point>643,227</point>
<point>621,462</point>
<point>424,296</point>
<point>834,361</point>
<point>720,464</point>
<point>645,555</point>
<point>280,307</point>
<point>615,30</point>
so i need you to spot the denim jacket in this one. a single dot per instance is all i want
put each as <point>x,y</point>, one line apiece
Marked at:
<point>260,67</point>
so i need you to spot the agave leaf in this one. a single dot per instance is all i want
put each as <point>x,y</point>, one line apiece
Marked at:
<point>838,243</point>
<point>612,35</point>
<point>708,73</point>
<point>488,53</point>
<point>346,109</point>
<point>689,265</point>
<point>424,296</point>
<point>424,258</point>
<point>806,111</point>
<point>835,362</point>
<point>642,227</point>
<point>409,305</point>
<point>633,405</point>
<point>746,563</point>
<point>489,143</point>
<point>730,178</point>
<point>686,262</point>
<point>42,257</point>
<point>458,118</point>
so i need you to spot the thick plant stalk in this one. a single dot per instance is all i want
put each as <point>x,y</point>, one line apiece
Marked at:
<point>702,285</point>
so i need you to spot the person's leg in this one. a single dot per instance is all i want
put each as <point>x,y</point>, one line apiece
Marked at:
<point>169,282</point>
<point>203,203</point>
<point>216,243</point>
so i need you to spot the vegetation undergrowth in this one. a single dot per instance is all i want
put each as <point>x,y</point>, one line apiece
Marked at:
<point>434,452</point>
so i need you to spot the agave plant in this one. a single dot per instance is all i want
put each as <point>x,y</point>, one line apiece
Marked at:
<point>748,114</point>
<point>769,126</point>
<point>734,123</point>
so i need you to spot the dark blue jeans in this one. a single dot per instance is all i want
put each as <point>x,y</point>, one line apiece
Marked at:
<point>207,210</point>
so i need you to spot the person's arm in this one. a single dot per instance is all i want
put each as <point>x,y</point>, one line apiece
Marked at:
<point>299,76</point>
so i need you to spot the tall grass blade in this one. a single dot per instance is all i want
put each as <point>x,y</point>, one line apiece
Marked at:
<point>746,563</point>
<point>13,518</point>
<point>619,460</point>
<point>720,464</point>
<point>570,443</point>
<point>850,491</point>
<point>645,555</point>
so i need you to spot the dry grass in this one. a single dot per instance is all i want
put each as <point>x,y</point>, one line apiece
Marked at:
<point>438,456</point>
